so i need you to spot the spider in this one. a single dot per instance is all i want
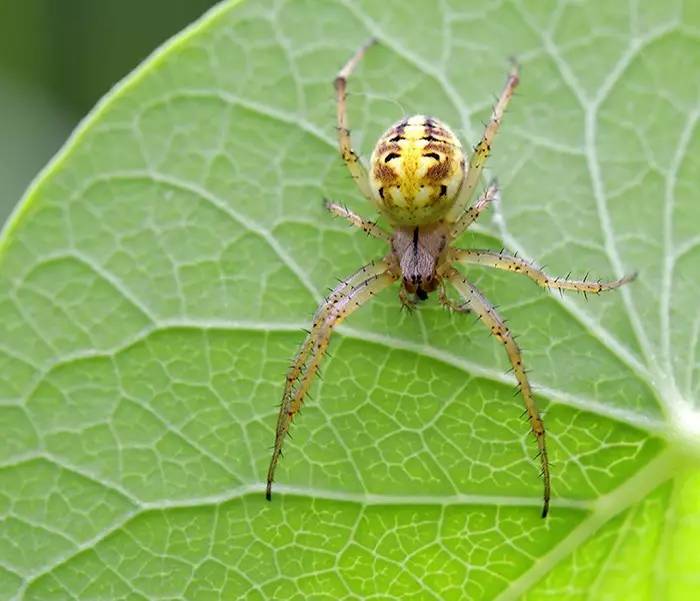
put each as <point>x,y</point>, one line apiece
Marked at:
<point>421,183</point>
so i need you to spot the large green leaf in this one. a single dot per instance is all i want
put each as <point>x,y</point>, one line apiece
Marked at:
<point>155,278</point>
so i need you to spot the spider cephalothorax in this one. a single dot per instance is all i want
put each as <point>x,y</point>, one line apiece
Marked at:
<point>418,253</point>
<point>419,182</point>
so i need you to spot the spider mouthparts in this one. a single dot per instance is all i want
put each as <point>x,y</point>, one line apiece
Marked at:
<point>421,294</point>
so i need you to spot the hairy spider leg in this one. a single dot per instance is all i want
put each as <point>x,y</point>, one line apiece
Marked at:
<point>502,260</point>
<point>477,303</point>
<point>469,216</point>
<point>347,297</point>
<point>355,166</point>
<point>407,301</point>
<point>448,303</point>
<point>368,227</point>
<point>483,149</point>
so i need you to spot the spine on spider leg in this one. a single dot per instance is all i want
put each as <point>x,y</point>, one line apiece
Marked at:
<point>583,286</point>
<point>297,383</point>
<point>300,376</point>
<point>487,314</point>
<point>346,297</point>
<point>500,330</point>
<point>536,426</point>
<point>286,413</point>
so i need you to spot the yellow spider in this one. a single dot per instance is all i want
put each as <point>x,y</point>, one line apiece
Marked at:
<point>420,183</point>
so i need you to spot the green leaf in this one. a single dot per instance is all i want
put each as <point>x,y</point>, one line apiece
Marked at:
<point>154,280</point>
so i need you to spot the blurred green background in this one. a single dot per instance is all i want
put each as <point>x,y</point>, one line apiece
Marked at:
<point>57,58</point>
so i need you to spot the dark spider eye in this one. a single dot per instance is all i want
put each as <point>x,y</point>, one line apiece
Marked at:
<point>391,156</point>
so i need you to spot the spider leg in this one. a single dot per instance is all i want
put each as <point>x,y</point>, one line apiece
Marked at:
<point>483,148</point>
<point>368,227</point>
<point>407,302</point>
<point>501,260</point>
<point>477,303</point>
<point>472,213</point>
<point>348,296</point>
<point>447,302</point>
<point>357,170</point>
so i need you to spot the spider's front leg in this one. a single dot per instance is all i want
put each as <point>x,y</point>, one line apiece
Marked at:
<point>502,260</point>
<point>348,296</point>
<point>483,149</point>
<point>476,302</point>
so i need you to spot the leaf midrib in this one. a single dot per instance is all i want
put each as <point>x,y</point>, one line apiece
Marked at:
<point>658,470</point>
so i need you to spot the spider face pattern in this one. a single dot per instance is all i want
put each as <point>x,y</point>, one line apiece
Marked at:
<point>422,185</point>
<point>417,169</point>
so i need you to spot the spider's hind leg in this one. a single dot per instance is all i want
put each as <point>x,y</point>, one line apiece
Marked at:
<point>483,149</point>
<point>352,160</point>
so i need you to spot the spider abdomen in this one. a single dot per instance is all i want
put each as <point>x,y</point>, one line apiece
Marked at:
<point>417,168</point>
